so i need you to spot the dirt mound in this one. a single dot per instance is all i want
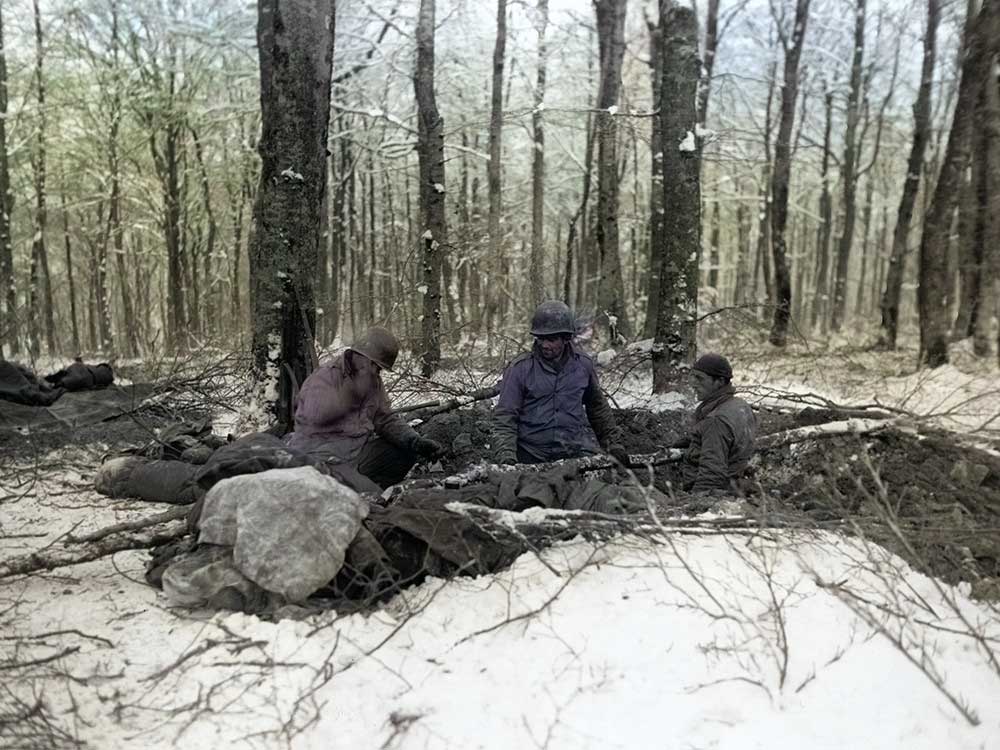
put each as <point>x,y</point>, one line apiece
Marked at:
<point>943,496</point>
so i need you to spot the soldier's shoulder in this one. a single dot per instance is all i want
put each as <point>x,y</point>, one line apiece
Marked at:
<point>520,358</point>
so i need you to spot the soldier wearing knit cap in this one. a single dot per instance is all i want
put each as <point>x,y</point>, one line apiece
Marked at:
<point>720,442</point>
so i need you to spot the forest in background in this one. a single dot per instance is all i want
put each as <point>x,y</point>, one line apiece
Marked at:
<point>129,159</point>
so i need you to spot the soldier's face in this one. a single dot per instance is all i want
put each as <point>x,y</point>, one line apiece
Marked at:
<point>704,384</point>
<point>552,347</point>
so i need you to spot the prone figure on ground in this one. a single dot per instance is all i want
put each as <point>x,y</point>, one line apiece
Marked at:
<point>720,442</point>
<point>551,405</point>
<point>343,415</point>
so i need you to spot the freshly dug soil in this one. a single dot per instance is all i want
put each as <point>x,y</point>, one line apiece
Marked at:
<point>944,496</point>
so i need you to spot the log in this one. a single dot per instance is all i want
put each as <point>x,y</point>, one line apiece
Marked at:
<point>830,429</point>
<point>61,556</point>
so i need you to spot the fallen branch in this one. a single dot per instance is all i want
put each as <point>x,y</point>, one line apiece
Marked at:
<point>59,557</point>
<point>181,511</point>
<point>830,429</point>
<point>433,408</point>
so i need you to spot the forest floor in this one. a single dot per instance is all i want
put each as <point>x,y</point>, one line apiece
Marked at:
<point>858,609</point>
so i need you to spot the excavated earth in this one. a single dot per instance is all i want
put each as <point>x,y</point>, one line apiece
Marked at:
<point>942,495</point>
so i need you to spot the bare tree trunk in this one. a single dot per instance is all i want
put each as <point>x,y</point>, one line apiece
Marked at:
<point>611,305</point>
<point>932,293</point>
<point>39,252</point>
<point>741,286</point>
<point>708,59</point>
<point>208,282</point>
<point>849,176</point>
<point>911,185</point>
<point>970,248</point>
<point>821,293</point>
<point>295,43</point>
<point>538,162</point>
<point>8,295</point>
<point>656,196</point>
<point>114,168</point>
<point>987,154</point>
<point>495,262</point>
<point>675,327</point>
<point>782,172</point>
<point>70,280</point>
<point>430,151</point>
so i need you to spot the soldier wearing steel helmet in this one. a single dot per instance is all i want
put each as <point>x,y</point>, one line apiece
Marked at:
<point>343,415</point>
<point>551,405</point>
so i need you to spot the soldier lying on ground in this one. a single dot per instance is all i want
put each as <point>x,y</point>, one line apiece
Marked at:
<point>343,414</point>
<point>720,442</point>
<point>551,405</point>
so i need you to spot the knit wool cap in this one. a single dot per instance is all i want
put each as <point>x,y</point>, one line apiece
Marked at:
<point>715,365</point>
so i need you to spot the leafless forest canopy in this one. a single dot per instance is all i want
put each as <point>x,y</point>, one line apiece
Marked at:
<point>846,170</point>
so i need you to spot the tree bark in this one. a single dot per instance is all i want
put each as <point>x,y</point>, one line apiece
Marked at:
<point>70,279</point>
<point>656,196</point>
<point>538,162</point>
<point>295,44</point>
<point>39,252</point>
<point>782,173</point>
<point>430,152</point>
<point>988,203</point>
<point>825,231</point>
<point>611,305</point>
<point>911,185</point>
<point>849,170</point>
<point>708,59</point>
<point>8,292</point>
<point>675,328</point>
<point>932,292</point>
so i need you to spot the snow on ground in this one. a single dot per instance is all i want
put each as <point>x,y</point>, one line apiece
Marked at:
<point>702,640</point>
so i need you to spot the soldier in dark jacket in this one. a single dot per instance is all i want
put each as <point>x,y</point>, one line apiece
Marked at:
<point>343,416</point>
<point>551,405</point>
<point>720,442</point>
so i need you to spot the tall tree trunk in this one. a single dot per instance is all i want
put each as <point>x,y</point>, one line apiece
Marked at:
<point>675,327</point>
<point>538,162</point>
<point>656,196</point>
<point>970,248</point>
<point>990,201</point>
<point>39,252</point>
<point>932,292</point>
<point>849,176</point>
<point>430,152</point>
<point>708,59</point>
<point>782,173</point>
<point>70,280</point>
<point>114,167</point>
<point>825,231</point>
<point>493,172</point>
<point>208,317</point>
<point>866,249</point>
<point>911,185</point>
<point>8,292</point>
<point>611,305</point>
<point>987,199</point>
<point>295,44</point>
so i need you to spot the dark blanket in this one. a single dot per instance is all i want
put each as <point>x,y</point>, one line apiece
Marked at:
<point>19,385</point>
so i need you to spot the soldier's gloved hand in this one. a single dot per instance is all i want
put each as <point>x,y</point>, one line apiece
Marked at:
<point>506,458</point>
<point>427,448</point>
<point>617,450</point>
